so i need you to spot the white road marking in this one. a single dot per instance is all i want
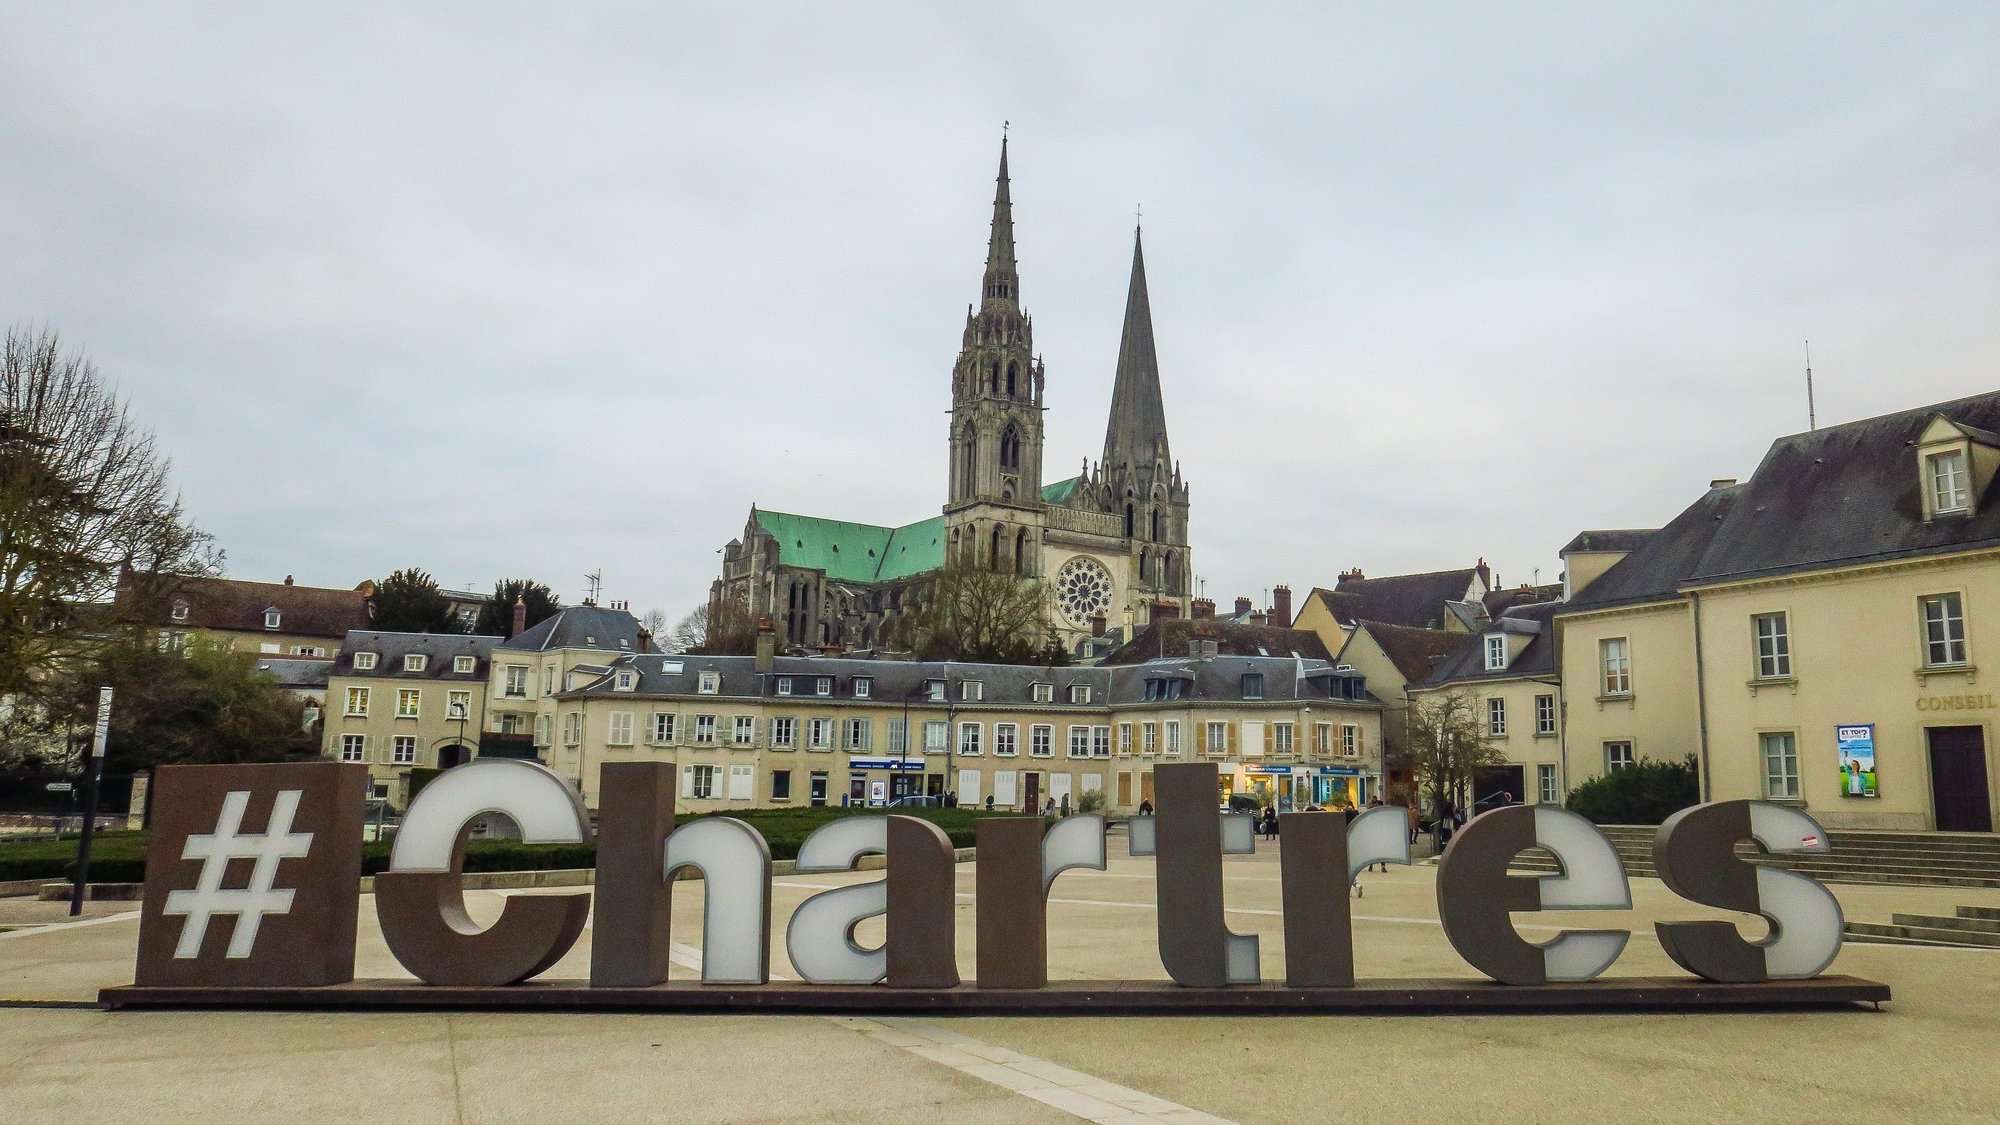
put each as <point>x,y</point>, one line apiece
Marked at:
<point>52,927</point>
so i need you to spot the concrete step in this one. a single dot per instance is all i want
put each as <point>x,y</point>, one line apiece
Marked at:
<point>1885,939</point>
<point>1992,912</point>
<point>1926,933</point>
<point>1947,922</point>
<point>1860,876</point>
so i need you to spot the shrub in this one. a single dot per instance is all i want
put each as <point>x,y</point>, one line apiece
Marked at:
<point>1646,792</point>
<point>1091,801</point>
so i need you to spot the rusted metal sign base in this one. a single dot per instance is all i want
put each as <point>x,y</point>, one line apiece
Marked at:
<point>1060,998</point>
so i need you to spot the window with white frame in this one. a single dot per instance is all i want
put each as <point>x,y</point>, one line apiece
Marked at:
<point>1281,738</point>
<point>819,734</point>
<point>1322,738</point>
<point>971,691</point>
<point>701,781</point>
<point>625,681</point>
<point>414,661</point>
<point>1218,738</point>
<point>1617,755</point>
<point>1350,740</point>
<point>364,662</point>
<point>517,681</point>
<point>968,738</point>
<point>742,730</point>
<point>464,665</point>
<point>784,732</point>
<point>704,729</point>
<point>619,732</point>
<point>1253,685</point>
<point>709,683</point>
<point>864,687</point>
<point>1006,739</point>
<point>1045,693</point>
<point>513,724</point>
<point>784,685</point>
<point>180,609</point>
<point>823,685</point>
<point>937,736</point>
<point>1545,714</point>
<point>1149,739</point>
<point>1079,694</point>
<point>934,690</point>
<point>1545,778</point>
<point>1040,738</point>
<point>1773,637</point>
<point>1496,717</point>
<point>572,728</point>
<point>1170,732</point>
<point>457,705</point>
<point>353,747</point>
<point>858,734</point>
<point>403,751</point>
<point>1496,651</point>
<point>409,702</point>
<point>1780,751</point>
<point>271,619</point>
<point>1079,742</point>
<point>1100,742</point>
<point>1615,661</point>
<point>1124,740</point>
<point>663,726</point>
<point>1949,492</point>
<point>899,736</point>
<point>1944,630</point>
<point>308,650</point>
<point>742,782</point>
<point>357,702</point>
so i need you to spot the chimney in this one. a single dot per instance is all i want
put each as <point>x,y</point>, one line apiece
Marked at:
<point>1485,575</point>
<point>1242,605</point>
<point>288,578</point>
<point>1257,619</point>
<point>1281,606</point>
<point>1165,611</point>
<point>767,644</point>
<point>1097,624</point>
<point>520,616</point>
<point>1351,575</point>
<point>1202,609</point>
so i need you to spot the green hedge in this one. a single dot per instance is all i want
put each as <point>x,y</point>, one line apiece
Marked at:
<point>1646,792</point>
<point>120,857</point>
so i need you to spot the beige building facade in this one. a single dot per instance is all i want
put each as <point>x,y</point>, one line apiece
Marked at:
<point>402,702</point>
<point>1507,672</point>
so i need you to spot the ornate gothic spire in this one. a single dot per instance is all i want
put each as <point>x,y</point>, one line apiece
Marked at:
<point>1138,416</point>
<point>1002,281</point>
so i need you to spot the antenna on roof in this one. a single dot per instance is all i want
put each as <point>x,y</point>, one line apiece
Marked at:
<point>1812,414</point>
<point>595,582</point>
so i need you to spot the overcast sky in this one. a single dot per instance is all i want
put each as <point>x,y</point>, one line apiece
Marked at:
<point>551,289</point>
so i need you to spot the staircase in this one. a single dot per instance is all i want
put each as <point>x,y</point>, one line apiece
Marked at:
<point>1918,859</point>
<point>1972,927</point>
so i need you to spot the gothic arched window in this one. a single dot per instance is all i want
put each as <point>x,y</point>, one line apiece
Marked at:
<point>1128,519</point>
<point>993,555</point>
<point>1172,581</point>
<point>1156,525</point>
<point>1010,446</point>
<point>993,378</point>
<point>1012,372</point>
<point>1144,560</point>
<point>969,461</point>
<point>1021,551</point>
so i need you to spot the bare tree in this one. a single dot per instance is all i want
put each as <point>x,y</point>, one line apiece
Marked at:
<point>654,622</point>
<point>87,516</point>
<point>1448,744</point>
<point>965,614</point>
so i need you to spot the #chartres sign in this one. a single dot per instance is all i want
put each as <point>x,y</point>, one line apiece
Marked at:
<point>253,875</point>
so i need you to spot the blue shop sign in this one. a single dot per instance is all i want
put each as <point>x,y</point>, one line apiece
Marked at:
<point>914,765</point>
<point>1339,771</point>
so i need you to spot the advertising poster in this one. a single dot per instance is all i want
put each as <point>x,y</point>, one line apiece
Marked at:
<point>1856,742</point>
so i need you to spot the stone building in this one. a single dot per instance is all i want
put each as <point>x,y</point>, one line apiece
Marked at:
<point>1109,542</point>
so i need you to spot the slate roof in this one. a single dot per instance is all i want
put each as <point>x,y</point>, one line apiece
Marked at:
<point>1616,539</point>
<point>1499,601</point>
<point>390,648</point>
<point>1659,565</point>
<point>866,552</point>
<point>1004,686</point>
<point>1414,600</point>
<point>1536,658</point>
<point>580,626</point>
<point>298,673</point>
<point>1171,638</point>
<point>1416,653</point>
<point>236,604</point>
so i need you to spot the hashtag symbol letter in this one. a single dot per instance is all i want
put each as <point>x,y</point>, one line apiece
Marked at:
<point>250,904</point>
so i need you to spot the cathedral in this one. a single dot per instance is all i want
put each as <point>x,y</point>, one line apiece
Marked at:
<point>1109,545</point>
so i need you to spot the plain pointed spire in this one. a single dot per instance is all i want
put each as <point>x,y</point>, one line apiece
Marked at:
<point>1138,415</point>
<point>1002,280</point>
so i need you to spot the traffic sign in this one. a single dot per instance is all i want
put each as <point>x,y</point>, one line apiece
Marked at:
<point>59,786</point>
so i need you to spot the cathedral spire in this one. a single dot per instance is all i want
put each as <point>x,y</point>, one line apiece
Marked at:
<point>1137,429</point>
<point>1002,281</point>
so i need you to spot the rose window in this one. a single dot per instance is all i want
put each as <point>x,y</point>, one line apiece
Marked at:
<point>1083,589</point>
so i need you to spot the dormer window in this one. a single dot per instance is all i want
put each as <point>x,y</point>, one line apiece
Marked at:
<point>823,685</point>
<point>1079,693</point>
<point>934,690</point>
<point>364,661</point>
<point>1045,693</point>
<point>1946,477</point>
<point>626,681</point>
<point>784,685</point>
<point>710,683</point>
<point>1496,652</point>
<point>414,662</point>
<point>463,665</point>
<point>971,691</point>
<point>180,610</point>
<point>863,687</point>
<point>271,619</point>
<point>1253,685</point>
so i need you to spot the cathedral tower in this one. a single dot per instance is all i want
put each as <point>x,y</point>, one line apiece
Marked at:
<point>994,510</point>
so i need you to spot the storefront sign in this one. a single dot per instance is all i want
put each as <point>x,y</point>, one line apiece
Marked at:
<point>913,765</point>
<point>1856,743</point>
<point>283,928</point>
<point>1955,702</point>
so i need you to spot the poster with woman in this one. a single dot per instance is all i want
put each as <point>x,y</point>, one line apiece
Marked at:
<point>1856,743</point>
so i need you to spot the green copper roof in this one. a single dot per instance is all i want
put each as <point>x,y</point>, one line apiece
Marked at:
<point>1060,491</point>
<point>856,552</point>
<point>913,550</point>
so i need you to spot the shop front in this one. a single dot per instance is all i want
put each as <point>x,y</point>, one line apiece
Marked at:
<point>877,781</point>
<point>1337,786</point>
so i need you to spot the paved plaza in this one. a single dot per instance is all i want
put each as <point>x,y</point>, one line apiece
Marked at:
<point>1926,1057</point>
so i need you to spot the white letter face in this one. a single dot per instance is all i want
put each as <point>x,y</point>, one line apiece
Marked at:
<point>1592,879</point>
<point>536,798</point>
<point>1806,922</point>
<point>735,865</point>
<point>1378,836</point>
<point>820,937</point>
<point>1076,842</point>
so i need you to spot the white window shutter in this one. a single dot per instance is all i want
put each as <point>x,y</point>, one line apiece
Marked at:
<point>687,781</point>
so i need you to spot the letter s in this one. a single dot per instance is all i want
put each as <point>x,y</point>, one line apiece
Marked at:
<point>1695,853</point>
